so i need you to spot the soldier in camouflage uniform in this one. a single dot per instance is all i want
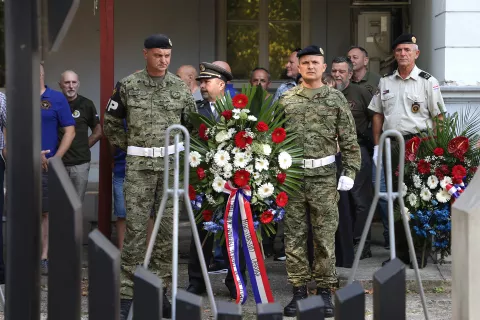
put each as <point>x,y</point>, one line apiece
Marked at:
<point>318,114</point>
<point>150,100</point>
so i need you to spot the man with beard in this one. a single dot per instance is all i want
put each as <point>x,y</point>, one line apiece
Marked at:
<point>213,79</point>
<point>361,195</point>
<point>150,100</point>
<point>77,158</point>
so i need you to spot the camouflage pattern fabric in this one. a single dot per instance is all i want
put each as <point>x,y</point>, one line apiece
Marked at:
<point>318,116</point>
<point>149,107</point>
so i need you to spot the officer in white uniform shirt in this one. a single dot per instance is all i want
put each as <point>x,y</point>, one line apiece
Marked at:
<point>406,99</point>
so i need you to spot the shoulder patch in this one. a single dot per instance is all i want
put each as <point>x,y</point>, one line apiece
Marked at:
<point>425,75</point>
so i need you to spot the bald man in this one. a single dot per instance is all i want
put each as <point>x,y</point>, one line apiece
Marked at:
<point>229,88</point>
<point>188,73</point>
<point>77,158</point>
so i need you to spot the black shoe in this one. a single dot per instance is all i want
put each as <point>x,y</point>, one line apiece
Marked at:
<point>125,308</point>
<point>196,289</point>
<point>366,253</point>
<point>299,293</point>
<point>326,294</point>
<point>166,308</point>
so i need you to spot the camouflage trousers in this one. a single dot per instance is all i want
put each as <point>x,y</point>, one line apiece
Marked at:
<point>321,196</point>
<point>143,192</point>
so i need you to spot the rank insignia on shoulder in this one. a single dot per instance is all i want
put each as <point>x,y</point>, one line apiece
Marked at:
<point>415,107</point>
<point>425,75</point>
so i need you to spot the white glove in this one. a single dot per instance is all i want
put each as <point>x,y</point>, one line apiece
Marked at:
<point>375,154</point>
<point>345,183</point>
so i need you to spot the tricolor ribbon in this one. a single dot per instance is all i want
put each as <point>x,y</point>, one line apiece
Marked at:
<point>238,206</point>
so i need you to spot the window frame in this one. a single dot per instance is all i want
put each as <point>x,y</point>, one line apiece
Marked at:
<point>221,33</point>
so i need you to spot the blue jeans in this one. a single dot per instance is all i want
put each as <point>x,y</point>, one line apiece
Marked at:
<point>118,197</point>
<point>382,203</point>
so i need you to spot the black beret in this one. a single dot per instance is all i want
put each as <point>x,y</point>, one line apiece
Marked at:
<point>159,41</point>
<point>209,71</point>
<point>310,51</point>
<point>404,38</point>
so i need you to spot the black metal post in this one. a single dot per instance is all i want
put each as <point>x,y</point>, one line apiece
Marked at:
<point>65,239</point>
<point>148,293</point>
<point>23,162</point>
<point>189,306</point>
<point>228,311</point>
<point>269,311</point>
<point>350,302</point>
<point>389,292</point>
<point>311,308</point>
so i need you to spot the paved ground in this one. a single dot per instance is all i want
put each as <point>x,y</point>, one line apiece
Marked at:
<point>436,280</point>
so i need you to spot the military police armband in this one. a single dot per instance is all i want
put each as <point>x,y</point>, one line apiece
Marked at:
<point>115,105</point>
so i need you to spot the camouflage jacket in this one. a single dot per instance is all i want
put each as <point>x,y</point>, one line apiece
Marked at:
<point>149,109</point>
<point>318,121</point>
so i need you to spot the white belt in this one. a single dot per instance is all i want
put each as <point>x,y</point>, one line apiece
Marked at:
<point>315,163</point>
<point>153,152</point>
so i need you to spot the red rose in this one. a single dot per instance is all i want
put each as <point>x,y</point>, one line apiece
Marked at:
<point>411,148</point>
<point>266,217</point>
<point>445,169</point>
<point>281,177</point>
<point>240,101</point>
<point>423,167</point>
<point>202,132</point>
<point>200,173</point>
<point>278,135</point>
<point>227,114</point>
<point>242,140</point>
<point>207,215</point>
<point>241,178</point>
<point>262,126</point>
<point>438,152</point>
<point>439,173</point>
<point>282,199</point>
<point>191,192</point>
<point>458,147</point>
<point>459,171</point>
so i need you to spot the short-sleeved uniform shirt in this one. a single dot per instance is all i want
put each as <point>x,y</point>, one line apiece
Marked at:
<point>55,115</point>
<point>408,104</point>
<point>85,115</point>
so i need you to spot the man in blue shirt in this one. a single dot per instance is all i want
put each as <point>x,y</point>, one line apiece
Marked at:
<point>292,72</point>
<point>56,115</point>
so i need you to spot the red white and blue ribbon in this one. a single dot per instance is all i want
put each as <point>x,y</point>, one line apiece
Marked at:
<point>238,209</point>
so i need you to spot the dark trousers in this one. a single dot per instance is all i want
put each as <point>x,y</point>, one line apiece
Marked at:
<point>195,270</point>
<point>344,236</point>
<point>2,195</point>
<point>361,195</point>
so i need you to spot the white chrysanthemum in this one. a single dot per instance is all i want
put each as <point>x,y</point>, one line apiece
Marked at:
<point>228,167</point>
<point>425,194</point>
<point>412,198</point>
<point>236,150</point>
<point>248,152</point>
<point>245,110</point>
<point>195,159</point>
<point>404,190</point>
<point>249,168</point>
<point>407,213</point>
<point>252,118</point>
<point>446,180</point>
<point>221,136</point>
<point>218,184</point>
<point>267,150</point>
<point>417,182</point>
<point>284,160</point>
<point>221,158</point>
<point>256,176</point>
<point>227,174</point>
<point>261,164</point>
<point>432,182</point>
<point>265,190</point>
<point>236,116</point>
<point>443,196</point>
<point>240,160</point>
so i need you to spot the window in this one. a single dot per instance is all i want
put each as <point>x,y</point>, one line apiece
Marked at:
<point>259,33</point>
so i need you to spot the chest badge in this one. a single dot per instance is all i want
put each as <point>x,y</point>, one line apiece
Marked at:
<point>415,107</point>
<point>76,114</point>
<point>45,104</point>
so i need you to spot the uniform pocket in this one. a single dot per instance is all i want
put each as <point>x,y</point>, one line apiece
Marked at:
<point>388,102</point>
